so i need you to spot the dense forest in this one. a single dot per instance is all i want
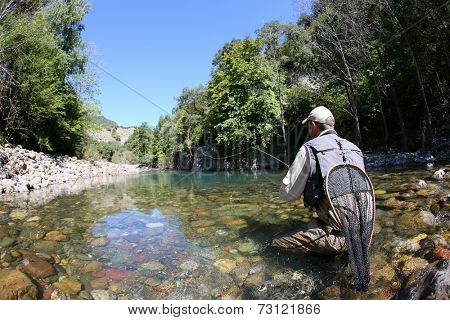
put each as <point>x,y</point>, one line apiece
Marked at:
<point>44,79</point>
<point>382,67</point>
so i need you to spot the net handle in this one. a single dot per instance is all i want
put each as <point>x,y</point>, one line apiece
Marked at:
<point>371,187</point>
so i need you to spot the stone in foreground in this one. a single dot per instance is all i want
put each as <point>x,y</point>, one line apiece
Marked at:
<point>14,285</point>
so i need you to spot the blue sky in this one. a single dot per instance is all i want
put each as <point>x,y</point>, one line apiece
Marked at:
<point>160,47</point>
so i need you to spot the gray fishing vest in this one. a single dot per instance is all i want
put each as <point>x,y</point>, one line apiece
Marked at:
<point>325,152</point>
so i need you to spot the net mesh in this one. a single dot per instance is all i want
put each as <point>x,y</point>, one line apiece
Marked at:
<point>351,195</point>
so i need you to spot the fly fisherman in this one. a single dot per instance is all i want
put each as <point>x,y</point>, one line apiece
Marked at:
<point>305,177</point>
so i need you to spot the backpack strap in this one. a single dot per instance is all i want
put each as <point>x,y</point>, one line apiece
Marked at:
<point>314,151</point>
<point>344,158</point>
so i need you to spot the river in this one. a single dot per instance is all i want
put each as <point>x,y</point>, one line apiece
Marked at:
<point>185,235</point>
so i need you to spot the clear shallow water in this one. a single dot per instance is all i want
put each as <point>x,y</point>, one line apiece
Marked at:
<point>182,235</point>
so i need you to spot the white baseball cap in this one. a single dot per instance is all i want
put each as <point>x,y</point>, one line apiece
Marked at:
<point>319,114</point>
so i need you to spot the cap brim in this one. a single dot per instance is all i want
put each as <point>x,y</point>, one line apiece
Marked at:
<point>304,121</point>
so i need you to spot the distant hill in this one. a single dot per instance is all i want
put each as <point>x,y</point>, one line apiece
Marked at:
<point>100,120</point>
<point>108,130</point>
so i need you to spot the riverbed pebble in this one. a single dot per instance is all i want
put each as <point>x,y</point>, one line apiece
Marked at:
<point>14,285</point>
<point>439,174</point>
<point>37,267</point>
<point>422,184</point>
<point>69,286</point>
<point>100,294</point>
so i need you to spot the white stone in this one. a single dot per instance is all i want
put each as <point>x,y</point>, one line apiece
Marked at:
<point>32,219</point>
<point>7,183</point>
<point>439,174</point>
<point>101,295</point>
<point>154,225</point>
<point>422,184</point>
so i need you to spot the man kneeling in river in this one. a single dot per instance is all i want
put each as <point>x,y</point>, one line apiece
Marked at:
<point>323,234</point>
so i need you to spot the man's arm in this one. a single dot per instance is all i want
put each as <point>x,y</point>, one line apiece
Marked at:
<point>294,182</point>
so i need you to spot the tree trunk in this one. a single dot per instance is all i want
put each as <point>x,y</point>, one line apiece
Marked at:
<point>401,123</point>
<point>385,127</point>
<point>349,88</point>
<point>354,113</point>
<point>283,122</point>
<point>427,113</point>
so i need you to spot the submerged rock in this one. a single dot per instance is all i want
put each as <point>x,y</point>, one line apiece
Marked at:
<point>116,274</point>
<point>85,295</point>
<point>7,242</point>
<point>133,238</point>
<point>203,223</point>
<point>18,214</point>
<point>153,265</point>
<point>411,222</point>
<point>100,283</point>
<point>92,267</point>
<point>189,265</point>
<point>385,273</point>
<point>225,265</point>
<point>37,267</point>
<point>4,231</point>
<point>330,293</point>
<point>412,265</point>
<point>379,192</point>
<point>422,184</point>
<point>99,242</point>
<point>154,225</point>
<point>139,258</point>
<point>248,247</point>
<point>68,286</point>
<point>46,246</point>
<point>14,285</point>
<point>439,174</point>
<point>152,282</point>
<point>440,253</point>
<point>56,235</point>
<point>101,295</point>
<point>254,280</point>
<point>34,219</point>
<point>237,209</point>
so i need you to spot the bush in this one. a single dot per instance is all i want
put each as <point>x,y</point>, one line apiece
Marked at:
<point>115,134</point>
<point>90,152</point>
<point>96,150</point>
<point>123,156</point>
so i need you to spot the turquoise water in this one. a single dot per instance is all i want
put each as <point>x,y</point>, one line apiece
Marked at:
<point>183,235</point>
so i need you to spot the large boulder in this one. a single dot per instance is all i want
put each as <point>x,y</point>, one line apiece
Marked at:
<point>14,285</point>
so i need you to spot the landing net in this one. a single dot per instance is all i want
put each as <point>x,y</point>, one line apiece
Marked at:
<point>351,196</point>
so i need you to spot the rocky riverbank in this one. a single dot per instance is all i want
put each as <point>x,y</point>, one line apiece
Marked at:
<point>375,161</point>
<point>23,170</point>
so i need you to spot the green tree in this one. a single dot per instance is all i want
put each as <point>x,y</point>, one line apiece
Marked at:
<point>41,56</point>
<point>189,120</point>
<point>140,143</point>
<point>242,98</point>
